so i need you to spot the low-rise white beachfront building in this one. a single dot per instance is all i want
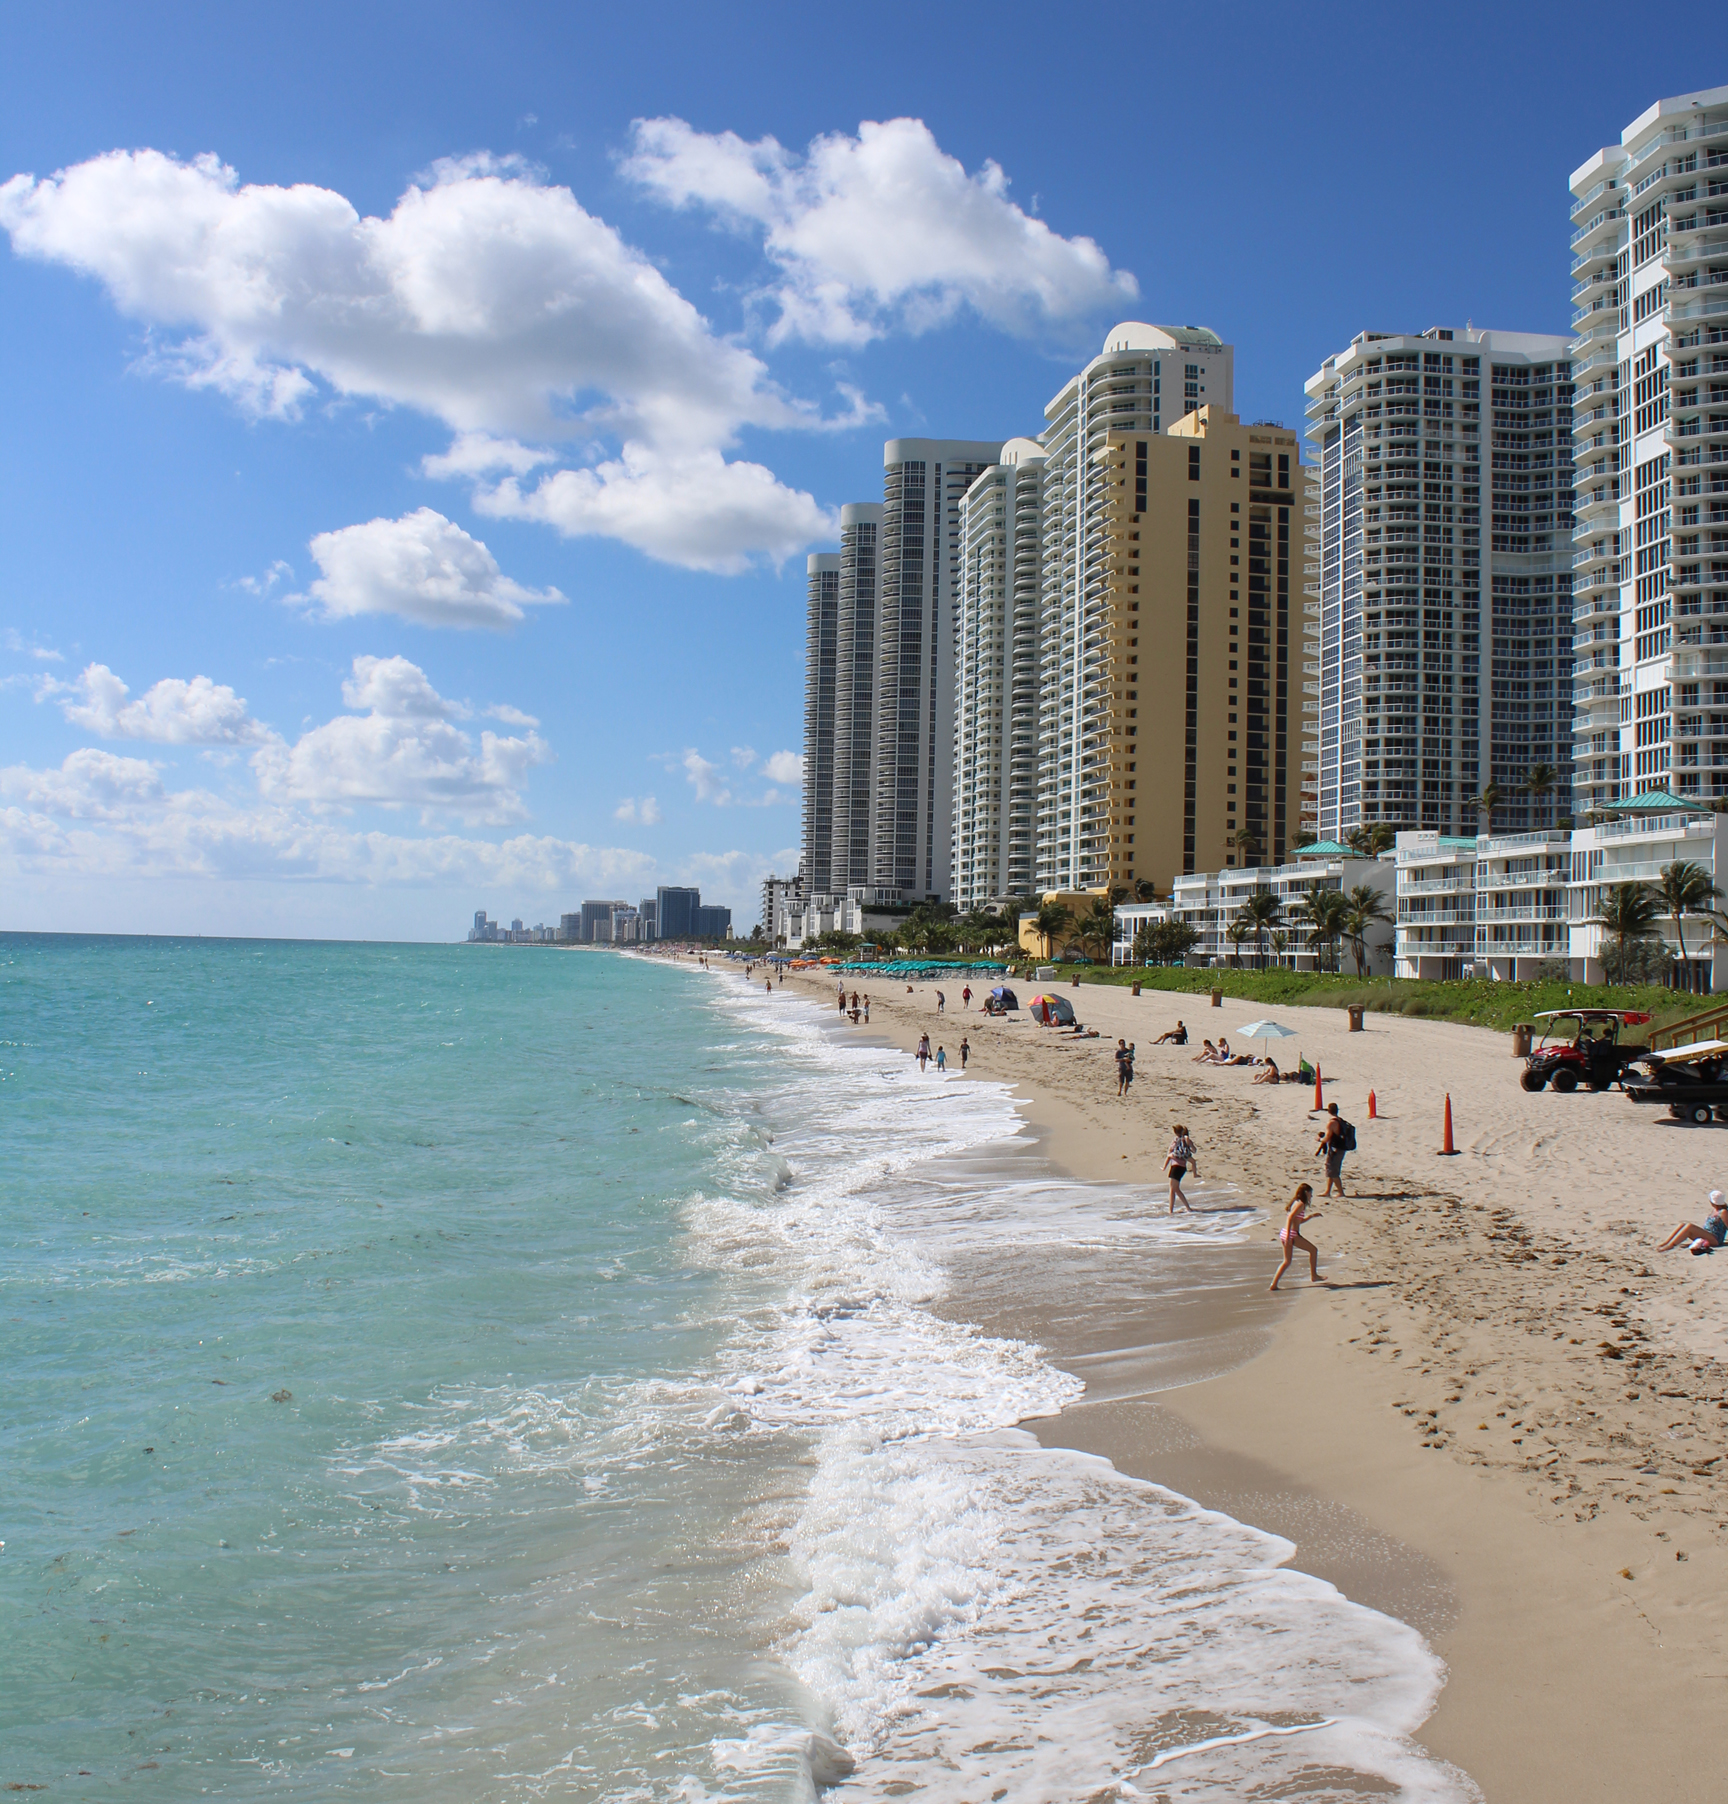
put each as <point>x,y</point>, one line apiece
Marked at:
<point>1521,903</point>
<point>1130,918</point>
<point>1436,905</point>
<point>1210,901</point>
<point>1634,841</point>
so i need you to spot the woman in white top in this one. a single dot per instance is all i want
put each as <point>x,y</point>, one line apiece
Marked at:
<point>1178,1162</point>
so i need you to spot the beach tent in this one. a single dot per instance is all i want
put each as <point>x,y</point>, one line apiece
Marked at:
<point>1052,1011</point>
<point>1003,997</point>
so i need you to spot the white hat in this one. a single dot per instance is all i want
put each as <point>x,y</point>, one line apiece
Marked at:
<point>1717,1199</point>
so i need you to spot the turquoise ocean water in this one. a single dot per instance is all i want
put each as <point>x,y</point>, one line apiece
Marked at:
<point>453,1373</point>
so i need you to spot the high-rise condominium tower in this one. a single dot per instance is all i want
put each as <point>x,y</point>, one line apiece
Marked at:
<point>1428,623</point>
<point>820,640</point>
<point>996,678</point>
<point>1651,452</point>
<point>1099,494</point>
<point>911,827</point>
<point>854,694</point>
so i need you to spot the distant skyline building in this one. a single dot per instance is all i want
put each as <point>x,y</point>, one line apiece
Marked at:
<point>911,825</point>
<point>648,916</point>
<point>820,652</point>
<point>711,922</point>
<point>675,912</point>
<point>1144,380</point>
<point>854,695</point>
<point>996,678</point>
<point>1445,650</point>
<point>597,920</point>
<point>1650,445</point>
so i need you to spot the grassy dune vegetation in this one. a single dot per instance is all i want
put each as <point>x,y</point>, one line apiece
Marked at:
<point>1479,1003</point>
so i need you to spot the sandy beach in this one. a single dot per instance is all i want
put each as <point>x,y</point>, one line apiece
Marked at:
<point>1500,1418</point>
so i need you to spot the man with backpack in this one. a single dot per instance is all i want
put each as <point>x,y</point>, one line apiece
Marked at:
<point>1336,1139</point>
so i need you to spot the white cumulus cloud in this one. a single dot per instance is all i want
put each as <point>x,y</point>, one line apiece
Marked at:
<point>421,567</point>
<point>486,298</point>
<point>784,767</point>
<point>89,785</point>
<point>172,712</point>
<point>404,750</point>
<point>879,232</point>
<point>693,508</point>
<point>705,779</point>
<point>647,810</point>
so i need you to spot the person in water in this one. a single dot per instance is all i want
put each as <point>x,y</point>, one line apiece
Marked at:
<point>1291,1237</point>
<point>923,1053</point>
<point>1178,1162</point>
<point>941,1058</point>
<point>1704,1239</point>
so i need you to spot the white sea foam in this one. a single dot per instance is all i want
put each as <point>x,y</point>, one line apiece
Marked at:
<point>981,1616</point>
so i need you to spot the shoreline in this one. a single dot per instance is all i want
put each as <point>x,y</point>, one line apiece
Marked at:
<point>1446,1432</point>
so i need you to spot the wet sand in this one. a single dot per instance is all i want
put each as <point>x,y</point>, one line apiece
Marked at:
<point>1501,1419</point>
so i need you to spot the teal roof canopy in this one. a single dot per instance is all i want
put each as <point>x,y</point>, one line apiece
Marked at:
<point>1652,801</point>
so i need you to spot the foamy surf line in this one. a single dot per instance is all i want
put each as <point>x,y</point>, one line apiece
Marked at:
<point>982,1616</point>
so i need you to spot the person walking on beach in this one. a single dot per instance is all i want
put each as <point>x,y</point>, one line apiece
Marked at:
<point>1130,1083</point>
<point>941,1058</point>
<point>965,1051</point>
<point>866,1008</point>
<point>1121,1067</point>
<point>1178,1162</point>
<point>941,1003</point>
<point>1706,1239</point>
<point>923,1050</point>
<point>1291,1239</point>
<point>1336,1139</point>
<point>966,997</point>
<point>842,999</point>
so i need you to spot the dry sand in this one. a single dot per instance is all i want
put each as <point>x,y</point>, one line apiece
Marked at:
<point>1502,1417</point>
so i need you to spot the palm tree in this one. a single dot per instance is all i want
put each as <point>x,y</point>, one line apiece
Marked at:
<point>1322,912</point>
<point>1145,890</point>
<point>1053,920</point>
<point>1491,797</point>
<point>1263,911</point>
<point>1280,940</point>
<point>1685,888</point>
<point>1365,910</point>
<point>1539,781</point>
<point>1629,912</point>
<point>1248,847</point>
<point>1097,928</point>
<point>1240,929</point>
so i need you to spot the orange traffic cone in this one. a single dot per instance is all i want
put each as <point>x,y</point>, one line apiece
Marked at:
<point>1319,1100</point>
<point>1448,1151</point>
<point>1373,1111</point>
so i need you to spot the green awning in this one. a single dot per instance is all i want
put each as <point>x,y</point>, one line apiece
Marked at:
<point>1652,801</point>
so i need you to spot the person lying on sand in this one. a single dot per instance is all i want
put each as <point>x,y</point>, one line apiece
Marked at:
<point>1291,1239</point>
<point>1704,1239</point>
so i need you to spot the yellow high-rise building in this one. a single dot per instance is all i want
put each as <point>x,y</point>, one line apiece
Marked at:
<point>1193,709</point>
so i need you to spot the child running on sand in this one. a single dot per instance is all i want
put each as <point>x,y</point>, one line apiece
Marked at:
<point>1179,1161</point>
<point>1290,1238</point>
<point>1706,1239</point>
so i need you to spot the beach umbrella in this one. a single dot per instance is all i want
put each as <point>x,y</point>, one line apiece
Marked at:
<point>1266,1030</point>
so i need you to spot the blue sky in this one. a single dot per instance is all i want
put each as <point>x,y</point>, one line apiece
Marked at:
<point>413,420</point>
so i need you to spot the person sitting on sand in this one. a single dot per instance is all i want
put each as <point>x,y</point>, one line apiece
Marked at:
<point>1269,1072</point>
<point>1224,1053</point>
<point>1291,1237</point>
<point>1207,1053</point>
<point>1177,1036</point>
<point>1704,1239</point>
